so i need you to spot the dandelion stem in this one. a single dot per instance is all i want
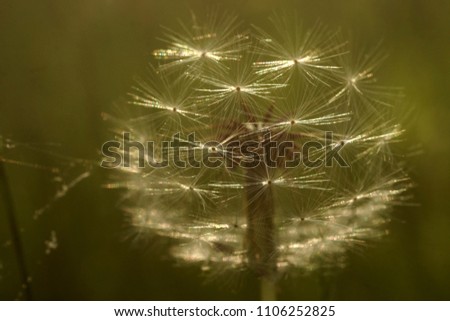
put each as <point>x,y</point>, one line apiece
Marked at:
<point>14,230</point>
<point>268,289</point>
<point>261,232</point>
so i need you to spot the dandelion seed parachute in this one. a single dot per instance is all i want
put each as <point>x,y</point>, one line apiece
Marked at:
<point>357,81</point>
<point>168,100</point>
<point>236,93</point>
<point>203,44</point>
<point>311,53</point>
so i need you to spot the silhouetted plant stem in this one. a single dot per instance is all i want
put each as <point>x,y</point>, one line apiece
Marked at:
<point>14,230</point>
<point>261,255</point>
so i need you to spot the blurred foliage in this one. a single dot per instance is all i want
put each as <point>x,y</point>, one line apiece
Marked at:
<point>63,63</point>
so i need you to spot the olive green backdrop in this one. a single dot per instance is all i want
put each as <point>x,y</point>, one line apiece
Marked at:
<point>64,62</point>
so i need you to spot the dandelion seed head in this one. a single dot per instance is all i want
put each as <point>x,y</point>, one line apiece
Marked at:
<point>295,85</point>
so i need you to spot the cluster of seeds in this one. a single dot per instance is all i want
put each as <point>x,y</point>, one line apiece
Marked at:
<point>284,84</point>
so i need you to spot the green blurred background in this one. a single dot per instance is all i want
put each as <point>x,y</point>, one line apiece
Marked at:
<point>62,63</point>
